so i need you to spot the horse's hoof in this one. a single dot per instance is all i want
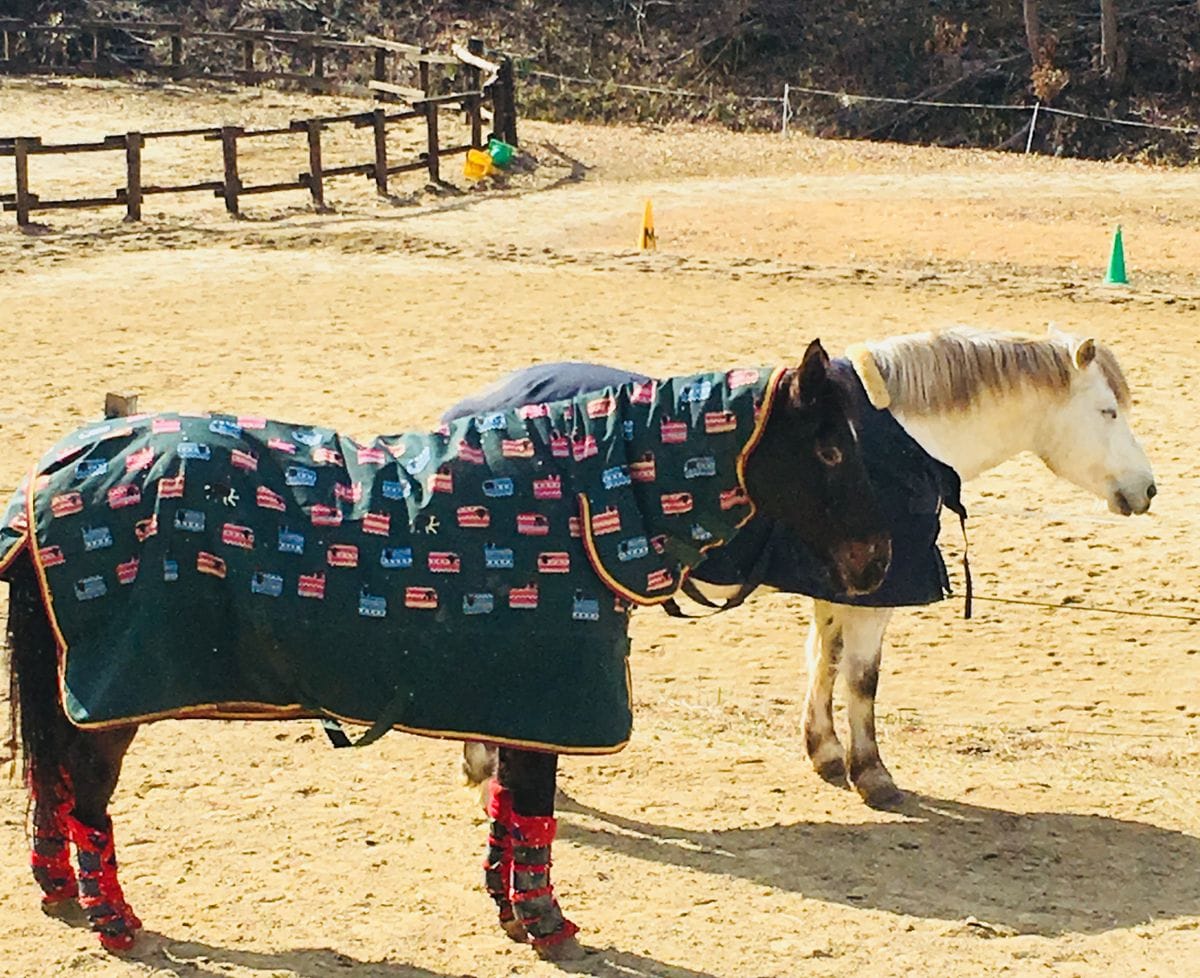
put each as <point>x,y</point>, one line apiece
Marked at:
<point>568,949</point>
<point>121,941</point>
<point>64,908</point>
<point>515,930</point>
<point>878,790</point>
<point>833,771</point>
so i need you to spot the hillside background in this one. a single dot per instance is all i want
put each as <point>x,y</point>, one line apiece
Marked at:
<point>731,51</point>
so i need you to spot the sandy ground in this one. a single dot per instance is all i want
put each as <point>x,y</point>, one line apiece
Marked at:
<point>1051,755</point>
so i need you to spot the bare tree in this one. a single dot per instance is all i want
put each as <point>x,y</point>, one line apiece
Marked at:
<point>1033,29</point>
<point>1112,54</point>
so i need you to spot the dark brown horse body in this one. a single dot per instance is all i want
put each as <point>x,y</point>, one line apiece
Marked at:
<point>806,472</point>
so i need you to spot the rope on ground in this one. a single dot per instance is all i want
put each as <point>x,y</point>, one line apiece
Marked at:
<point>936,723</point>
<point>1072,606</point>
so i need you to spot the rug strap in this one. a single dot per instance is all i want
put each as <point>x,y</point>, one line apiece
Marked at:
<point>756,575</point>
<point>336,733</point>
<point>393,713</point>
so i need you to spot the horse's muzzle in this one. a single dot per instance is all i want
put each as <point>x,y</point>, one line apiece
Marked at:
<point>861,565</point>
<point>1129,502</point>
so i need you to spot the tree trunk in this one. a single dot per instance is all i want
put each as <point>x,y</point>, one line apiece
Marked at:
<point>1033,30</point>
<point>1112,58</point>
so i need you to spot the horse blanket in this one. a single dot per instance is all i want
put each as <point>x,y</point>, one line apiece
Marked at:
<point>911,486</point>
<point>472,582</point>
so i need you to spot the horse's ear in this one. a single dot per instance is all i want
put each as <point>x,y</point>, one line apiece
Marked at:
<point>1084,353</point>
<point>811,376</point>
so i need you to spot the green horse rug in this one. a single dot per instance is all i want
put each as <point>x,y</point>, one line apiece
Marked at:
<point>236,567</point>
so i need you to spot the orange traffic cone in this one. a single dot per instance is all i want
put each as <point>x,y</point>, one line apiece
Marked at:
<point>646,239</point>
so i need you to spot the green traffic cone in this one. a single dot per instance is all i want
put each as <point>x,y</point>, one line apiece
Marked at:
<point>1116,262</point>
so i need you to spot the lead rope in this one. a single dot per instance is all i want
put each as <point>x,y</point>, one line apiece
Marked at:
<point>967,599</point>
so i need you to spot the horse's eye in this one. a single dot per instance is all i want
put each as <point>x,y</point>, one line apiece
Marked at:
<point>829,455</point>
<point>1110,413</point>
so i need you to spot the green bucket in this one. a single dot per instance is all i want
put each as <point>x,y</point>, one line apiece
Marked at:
<point>501,153</point>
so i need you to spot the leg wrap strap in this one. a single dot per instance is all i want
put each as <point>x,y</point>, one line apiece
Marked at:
<point>532,892</point>
<point>99,889</point>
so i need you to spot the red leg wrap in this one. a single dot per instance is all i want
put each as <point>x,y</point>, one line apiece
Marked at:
<point>99,890</point>
<point>497,865</point>
<point>50,859</point>
<point>532,892</point>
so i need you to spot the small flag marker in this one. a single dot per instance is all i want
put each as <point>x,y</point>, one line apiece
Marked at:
<point>646,239</point>
<point>1116,262</point>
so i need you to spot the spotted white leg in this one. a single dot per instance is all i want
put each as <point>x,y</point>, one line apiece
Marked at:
<point>823,652</point>
<point>861,631</point>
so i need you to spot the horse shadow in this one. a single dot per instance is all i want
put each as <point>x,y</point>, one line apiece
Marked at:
<point>195,959</point>
<point>1044,873</point>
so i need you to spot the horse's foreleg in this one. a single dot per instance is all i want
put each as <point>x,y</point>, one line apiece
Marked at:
<point>529,778</point>
<point>823,652</point>
<point>93,767</point>
<point>862,636</point>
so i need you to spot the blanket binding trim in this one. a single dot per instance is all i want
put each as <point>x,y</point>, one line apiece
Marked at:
<point>249,710</point>
<point>16,552</point>
<point>589,540</point>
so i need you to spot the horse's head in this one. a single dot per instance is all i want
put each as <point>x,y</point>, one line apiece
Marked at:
<point>1088,441</point>
<point>808,473</point>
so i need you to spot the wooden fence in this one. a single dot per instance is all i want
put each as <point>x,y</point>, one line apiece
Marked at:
<point>485,88</point>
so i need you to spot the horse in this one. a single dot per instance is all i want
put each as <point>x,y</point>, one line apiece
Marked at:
<point>244,534</point>
<point>965,398</point>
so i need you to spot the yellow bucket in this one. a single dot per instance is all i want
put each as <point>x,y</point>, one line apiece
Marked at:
<point>478,165</point>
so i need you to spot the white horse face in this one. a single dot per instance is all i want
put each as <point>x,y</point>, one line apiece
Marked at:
<point>1089,442</point>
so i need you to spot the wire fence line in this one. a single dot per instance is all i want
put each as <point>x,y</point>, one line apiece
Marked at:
<point>787,112</point>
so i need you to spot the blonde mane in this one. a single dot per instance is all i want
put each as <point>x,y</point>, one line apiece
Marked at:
<point>949,370</point>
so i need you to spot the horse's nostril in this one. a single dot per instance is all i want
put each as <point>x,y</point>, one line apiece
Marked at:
<point>1151,491</point>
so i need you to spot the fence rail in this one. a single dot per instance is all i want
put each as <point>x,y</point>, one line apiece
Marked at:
<point>479,87</point>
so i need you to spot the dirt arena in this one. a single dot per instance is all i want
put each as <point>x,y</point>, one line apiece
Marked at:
<point>1052,755</point>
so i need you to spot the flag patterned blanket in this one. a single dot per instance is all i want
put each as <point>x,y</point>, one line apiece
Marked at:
<point>472,582</point>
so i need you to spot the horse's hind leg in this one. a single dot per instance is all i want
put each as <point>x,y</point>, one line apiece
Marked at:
<point>862,636</point>
<point>498,863</point>
<point>529,780</point>
<point>93,765</point>
<point>50,858</point>
<point>823,652</point>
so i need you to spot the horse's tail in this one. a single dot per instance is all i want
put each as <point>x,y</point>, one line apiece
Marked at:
<point>480,762</point>
<point>38,721</point>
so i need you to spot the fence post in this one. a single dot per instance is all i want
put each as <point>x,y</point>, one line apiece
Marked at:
<point>316,178</point>
<point>380,73</point>
<point>318,64</point>
<point>1032,126</point>
<point>21,155</point>
<point>229,138</point>
<point>248,58</point>
<point>176,56</point>
<point>379,123</point>
<point>787,109</point>
<point>474,79</point>
<point>431,125</point>
<point>504,94</point>
<point>133,176</point>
